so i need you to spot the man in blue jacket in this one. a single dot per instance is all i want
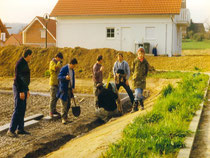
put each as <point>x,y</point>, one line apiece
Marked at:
<point>66,79</point>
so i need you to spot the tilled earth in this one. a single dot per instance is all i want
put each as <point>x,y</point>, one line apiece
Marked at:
<point>47,135</point>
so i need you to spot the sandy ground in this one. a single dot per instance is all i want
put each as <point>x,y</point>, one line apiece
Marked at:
<point>82,85</point>
<point>42,84</point>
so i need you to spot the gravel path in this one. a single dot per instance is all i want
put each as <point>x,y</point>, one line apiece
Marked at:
<point>49,135</point>
<point>45,131</point>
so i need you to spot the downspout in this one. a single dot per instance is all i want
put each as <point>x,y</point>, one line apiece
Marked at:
<point>172,44</point>
<point>23,36</point>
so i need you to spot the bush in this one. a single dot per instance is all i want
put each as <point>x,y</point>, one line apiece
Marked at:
<point>190,34</point>
<point>198,37</point>
<point>207,35</point>
<point>47,73</point>
<point>167,90</point>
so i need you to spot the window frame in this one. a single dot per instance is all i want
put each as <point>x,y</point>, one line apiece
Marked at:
<point>3,36</point>
<point>110,33</point>
<point>43,33</point>
<point>154,33</point>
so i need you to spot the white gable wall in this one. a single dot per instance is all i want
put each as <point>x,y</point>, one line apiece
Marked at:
<point>90,32</point>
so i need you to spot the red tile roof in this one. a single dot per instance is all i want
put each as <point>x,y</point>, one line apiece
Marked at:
<point>18,37</point>
<point>116,7</point>
<point>51,25</point>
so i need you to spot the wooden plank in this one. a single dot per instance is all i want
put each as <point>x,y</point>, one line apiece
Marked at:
<point>34,117</point>
<point>5,127</point>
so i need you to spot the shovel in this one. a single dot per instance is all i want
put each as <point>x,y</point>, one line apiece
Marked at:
<point>75,109</point>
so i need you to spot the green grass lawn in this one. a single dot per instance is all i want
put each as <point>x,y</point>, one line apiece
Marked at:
<point>161,132</point>
<point>192,45</point>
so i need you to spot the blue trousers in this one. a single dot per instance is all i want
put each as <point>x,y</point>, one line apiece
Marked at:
<point>138,94</point>
<point>17,121</point>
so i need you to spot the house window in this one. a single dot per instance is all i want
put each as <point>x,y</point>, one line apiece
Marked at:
<point>150,33</point>
<point>110,32</point>
<point>43,33</point>
<point>3,36</point>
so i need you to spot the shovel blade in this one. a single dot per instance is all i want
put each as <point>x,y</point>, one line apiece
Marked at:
<point>76,111</point>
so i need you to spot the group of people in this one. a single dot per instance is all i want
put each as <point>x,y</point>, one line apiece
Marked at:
<point>121,71</point>
<point>62,85</point>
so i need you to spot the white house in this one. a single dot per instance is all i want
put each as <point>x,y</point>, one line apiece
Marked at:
<point>122,24</point>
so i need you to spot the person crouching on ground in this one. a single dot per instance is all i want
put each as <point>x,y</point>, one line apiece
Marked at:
<point>21,93</point>
<point>54,68</point>
<point>121,72</point>
<point>140,70</point>
<point>66,79</point>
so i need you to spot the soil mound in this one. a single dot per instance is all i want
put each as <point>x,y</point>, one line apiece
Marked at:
<point>42,56</point>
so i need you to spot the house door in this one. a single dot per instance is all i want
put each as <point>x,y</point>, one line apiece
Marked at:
<point>126,42</point>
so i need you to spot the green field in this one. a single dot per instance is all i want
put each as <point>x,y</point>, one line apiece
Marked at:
<point>192,45</point>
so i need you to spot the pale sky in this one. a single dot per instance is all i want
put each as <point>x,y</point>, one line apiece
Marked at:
<point>23,11</point>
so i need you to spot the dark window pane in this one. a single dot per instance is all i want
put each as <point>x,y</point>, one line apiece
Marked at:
<point>110,32</point>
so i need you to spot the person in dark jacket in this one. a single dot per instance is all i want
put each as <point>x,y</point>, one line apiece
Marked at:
<point>66,79</point>
<point>140,69</point>
<point>21,93</point>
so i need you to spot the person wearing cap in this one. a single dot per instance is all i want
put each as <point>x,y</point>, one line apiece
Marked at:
<point>54,68</point>
<point>140,69</point>
<point>121,73</point>
<point>66,88</point>
<point>21,94</point>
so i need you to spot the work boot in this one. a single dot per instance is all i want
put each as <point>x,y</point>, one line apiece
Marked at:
<point>56,113</point>
<point>135,107</point>
<point>142,104</point>
<point>11,134</point>
<point>23,132</point>
<point>51,115</point>
<point>64,121</point>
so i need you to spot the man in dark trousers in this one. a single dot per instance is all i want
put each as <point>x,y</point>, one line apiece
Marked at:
<point>21,93</point>
<point>54,68</point>
<point>66,79</point>
<point>121,72</point>
<point>97,77</point>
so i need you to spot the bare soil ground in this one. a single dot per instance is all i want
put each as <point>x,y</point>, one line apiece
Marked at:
<point>204,52</point>
<point>48,136</point>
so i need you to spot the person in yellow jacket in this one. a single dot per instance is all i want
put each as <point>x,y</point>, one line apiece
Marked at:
<point>54,68</point>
